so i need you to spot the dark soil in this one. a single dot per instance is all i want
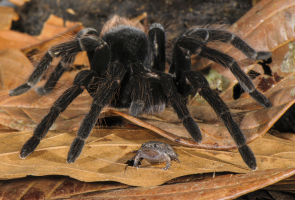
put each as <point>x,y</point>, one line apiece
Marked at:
<point>94,13</point>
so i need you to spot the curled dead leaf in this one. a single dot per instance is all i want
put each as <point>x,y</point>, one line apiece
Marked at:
<point>13,39</point>
<point>208,186</point>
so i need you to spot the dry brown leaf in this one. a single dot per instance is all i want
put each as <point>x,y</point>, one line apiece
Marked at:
<point>107,150</point>
<point>54,26</point>
<point>13,39</point>
<point>287,185</point>
<point>7,15</point>
<point>55,187</point>
<point>222,187</point>
<point>207,186</point>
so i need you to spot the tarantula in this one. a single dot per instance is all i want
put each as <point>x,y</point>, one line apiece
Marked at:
<point>127,70</point>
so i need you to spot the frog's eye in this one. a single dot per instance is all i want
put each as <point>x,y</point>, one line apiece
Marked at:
<point>154,145</point>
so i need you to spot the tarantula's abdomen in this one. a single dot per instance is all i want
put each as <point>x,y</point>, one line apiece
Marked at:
<point>127,44</point>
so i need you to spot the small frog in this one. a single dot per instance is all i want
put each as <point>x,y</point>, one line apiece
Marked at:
<point>154,151</point>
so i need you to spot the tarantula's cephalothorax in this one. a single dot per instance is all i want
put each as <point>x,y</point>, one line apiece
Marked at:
<point>127,71</point>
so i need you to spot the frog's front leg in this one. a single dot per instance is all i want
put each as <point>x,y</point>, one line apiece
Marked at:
<point>168,161</point>
<point>136,159</point>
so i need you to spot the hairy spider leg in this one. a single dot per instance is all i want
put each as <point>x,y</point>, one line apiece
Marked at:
<point>201,84</point>
<point>67,60</point>
<point>107,89</point>
<point>81,82</point>
<point>53,78</point>
<point>128,44</point>
<point>138,86</point>
<point>157,42</point>
<point>135,90</point>
<point>187,78</point>
<point>139,91</point>
<point>86,40</point>
<point>181,62</point>
<point>178,102</point>
<point>211,35</point>
<point>99,59</point>
<point>143,90</point>
<point>195,41</point>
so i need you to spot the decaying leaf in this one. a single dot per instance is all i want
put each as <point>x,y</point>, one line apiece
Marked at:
<point>107,150</point>
<point>54,187</point>
<point>7,15</point>
<point>222,187</point>
<point>287,185</point>
<point>13,39</point>
<point>55,26</point>
<point>205,186</point>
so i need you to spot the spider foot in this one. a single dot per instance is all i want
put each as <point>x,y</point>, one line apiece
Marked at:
<point>261,99</point>
<point>193,129</point>
<point>29,147</point>
<point>136,107</point>
<point>35,76</point>
<point>75,150</point>
<point>20,90</point>
<point>248,157</point>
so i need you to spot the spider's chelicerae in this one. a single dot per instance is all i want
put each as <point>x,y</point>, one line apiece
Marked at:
<point>128,71</point>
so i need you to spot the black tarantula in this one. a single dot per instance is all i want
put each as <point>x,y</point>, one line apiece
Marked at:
<point>128,71</point>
